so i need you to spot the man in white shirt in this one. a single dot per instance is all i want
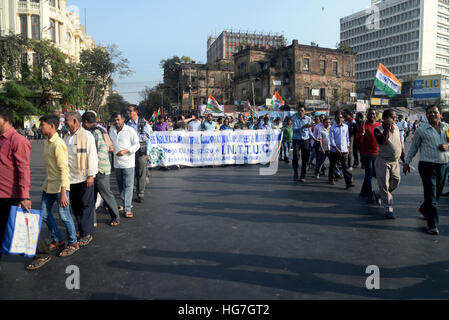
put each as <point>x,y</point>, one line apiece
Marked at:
<point>402,125</point>
<point>83,167</point>
<point>195,124</point>
<point>126,144</point>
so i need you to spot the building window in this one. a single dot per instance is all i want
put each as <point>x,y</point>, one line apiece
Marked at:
<point>322,67</point>
<point>306,93</point>
<point>24,25</point>
<point>348,70</point>
<point>323,94</point>
<point>212,81</point>
<point>335,68</point>
<point>35,27</point>
<point>306,64</point>
<point>53,30</point>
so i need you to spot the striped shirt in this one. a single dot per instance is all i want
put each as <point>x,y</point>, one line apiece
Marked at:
<point>426,141</point>
<point>104,165</point>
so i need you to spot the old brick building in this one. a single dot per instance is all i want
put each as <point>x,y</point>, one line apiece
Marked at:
<point>296,72</point>
<point>200,80</point>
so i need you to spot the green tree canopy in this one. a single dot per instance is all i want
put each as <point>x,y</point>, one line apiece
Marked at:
<point>15,98</point>
<point>99,66</point>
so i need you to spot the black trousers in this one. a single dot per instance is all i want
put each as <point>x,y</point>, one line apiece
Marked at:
<point>301,148</point>
<point>343,159</point>
<point>82,201</point>
<point>433,176</point>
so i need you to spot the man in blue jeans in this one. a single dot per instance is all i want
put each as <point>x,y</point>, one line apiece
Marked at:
<point>126,144</point>
<point>368,149</point>
<point>56,187</point>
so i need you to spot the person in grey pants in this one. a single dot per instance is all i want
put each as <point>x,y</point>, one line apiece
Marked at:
<point>102,180</point>
<point>143,132</point>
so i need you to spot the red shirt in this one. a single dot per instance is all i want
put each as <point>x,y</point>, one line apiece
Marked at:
<point>15,181</point>
<point>368,142</point>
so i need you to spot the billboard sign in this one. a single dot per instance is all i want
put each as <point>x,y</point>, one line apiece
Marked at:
<point>380,102</point>
<point>427,88</point>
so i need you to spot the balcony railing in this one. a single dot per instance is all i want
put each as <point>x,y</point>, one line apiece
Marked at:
<point>25,6</point>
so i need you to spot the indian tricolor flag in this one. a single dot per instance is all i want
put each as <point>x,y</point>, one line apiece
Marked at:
<point>213,106</point>
<point>387,82</point>
<point>277,101</point>
<point>253,111</point>
<point>154,116</point>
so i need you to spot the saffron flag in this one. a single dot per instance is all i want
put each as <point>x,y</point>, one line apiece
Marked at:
<point>387,82</point>
<point>277,102</point>
<point>159,112</point>
<point>253,112</point>
<point>213,106</point>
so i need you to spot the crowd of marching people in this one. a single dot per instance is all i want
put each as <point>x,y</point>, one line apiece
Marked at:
<point>378,147</point>
<point>78,165</point>
<point>78,170</point>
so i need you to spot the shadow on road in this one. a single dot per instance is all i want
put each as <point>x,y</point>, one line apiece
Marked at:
<point>298,275</point>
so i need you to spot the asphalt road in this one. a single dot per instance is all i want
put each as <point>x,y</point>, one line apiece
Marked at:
<point>228,233</point>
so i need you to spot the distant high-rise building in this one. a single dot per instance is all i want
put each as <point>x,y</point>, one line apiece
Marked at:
<point>410,37</point>
<point>228,42</point>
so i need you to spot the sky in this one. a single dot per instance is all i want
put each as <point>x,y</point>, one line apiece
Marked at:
<point>148,31</point>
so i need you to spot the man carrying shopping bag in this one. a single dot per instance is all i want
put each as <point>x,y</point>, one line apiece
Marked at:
<point>16,180</point>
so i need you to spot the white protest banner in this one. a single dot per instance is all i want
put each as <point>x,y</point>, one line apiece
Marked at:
<point>193,149</point>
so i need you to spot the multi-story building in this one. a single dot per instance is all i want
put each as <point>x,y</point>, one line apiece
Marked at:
<point>45,19</point>
<point>298,72</point>
<point>410,37</point>
<point>224,46</point>
<point>194,83</point>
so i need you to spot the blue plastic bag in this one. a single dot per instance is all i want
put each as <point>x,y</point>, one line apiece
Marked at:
<point>22,232</point>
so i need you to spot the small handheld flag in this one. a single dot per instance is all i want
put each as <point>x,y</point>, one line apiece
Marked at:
<point>277,101</point>
<point>253,112</point>
<point>213,106</point>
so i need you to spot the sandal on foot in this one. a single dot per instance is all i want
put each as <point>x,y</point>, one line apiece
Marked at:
<point>69,250</point>
<point>85,241</point>
<point>115,223</point>
<point>38,263</point>
<point>56,246</point>
<point>129,215</point>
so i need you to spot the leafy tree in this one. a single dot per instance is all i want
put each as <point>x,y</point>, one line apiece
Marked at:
<point>15,98</point>
<point>344,48</point>
<point>12,48</point>
<point>115,103</point>
<point>52,76</point>
<point>152,101</point>
<point>172,75</point>
<point>99,66</point>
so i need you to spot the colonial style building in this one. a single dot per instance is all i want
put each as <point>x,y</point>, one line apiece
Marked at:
<point>297,72</point>
<point>195,82</point>
<point>45,19</point>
